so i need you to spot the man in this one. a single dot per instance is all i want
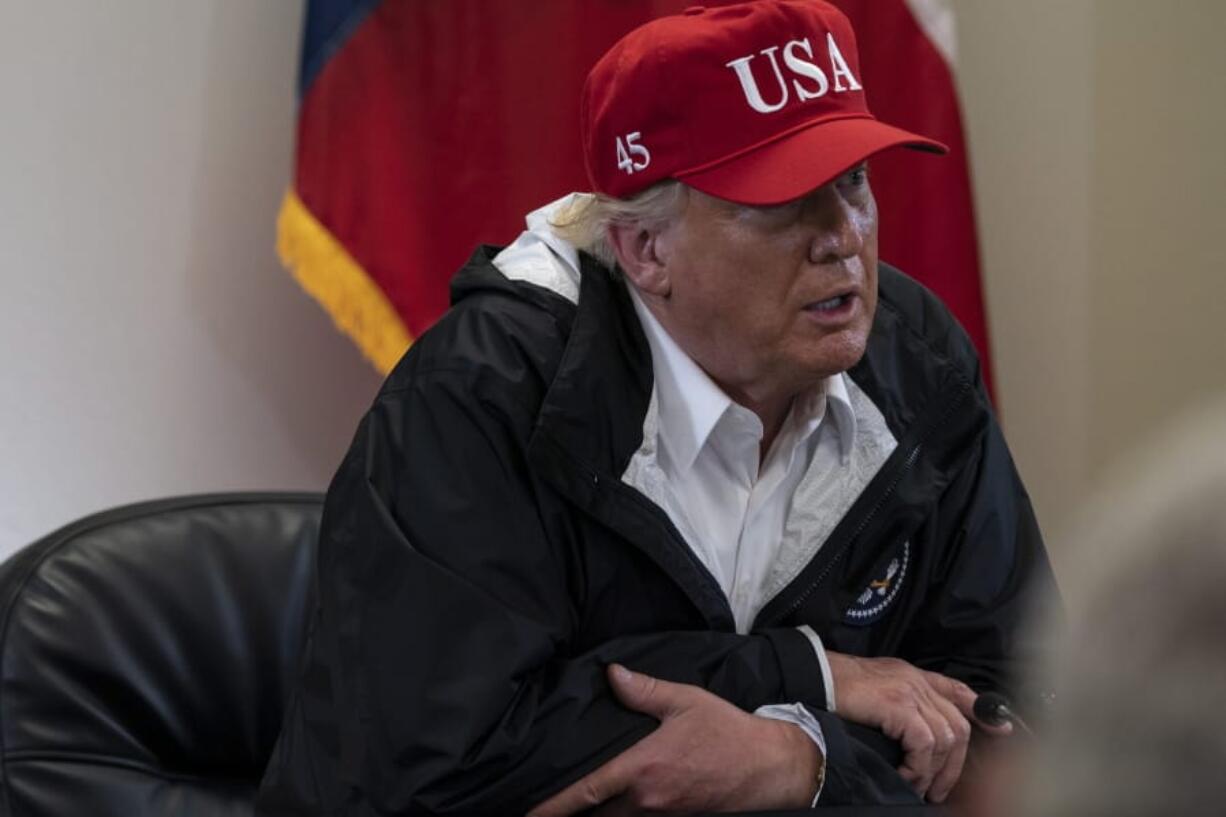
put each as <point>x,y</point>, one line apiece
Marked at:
<point>720,522</point>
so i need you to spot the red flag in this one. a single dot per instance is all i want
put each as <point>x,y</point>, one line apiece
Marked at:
<point>927,215</point>
<point>428,127</point>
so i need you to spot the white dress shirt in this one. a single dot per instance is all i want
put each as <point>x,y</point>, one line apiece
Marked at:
<point>730,507</point>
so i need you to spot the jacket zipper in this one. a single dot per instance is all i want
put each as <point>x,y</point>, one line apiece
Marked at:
<point>675,543</point>
<point>903,469</point>
<point>680,545</point>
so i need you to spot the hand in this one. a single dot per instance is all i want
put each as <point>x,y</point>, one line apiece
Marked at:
<point>706,754</point>
<point>928,713</point>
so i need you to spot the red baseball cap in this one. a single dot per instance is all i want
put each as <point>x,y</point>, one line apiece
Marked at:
<point>757,103</point>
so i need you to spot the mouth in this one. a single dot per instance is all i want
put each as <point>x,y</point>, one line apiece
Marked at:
<point>830,304</point>
<point>833,310</point>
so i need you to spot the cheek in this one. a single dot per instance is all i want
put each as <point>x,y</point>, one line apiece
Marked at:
<point>865,325</point>
<point>869,258</point>
<point>736,292</point>
<point>867,225</point>
<point>865,219</point>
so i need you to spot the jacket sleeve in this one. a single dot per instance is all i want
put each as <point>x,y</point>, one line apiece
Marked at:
<point>992,571</point>
<point>439,677</point>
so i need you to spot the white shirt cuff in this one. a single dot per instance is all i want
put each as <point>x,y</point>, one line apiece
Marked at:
<point>827,678</point>
<point>798,715</point>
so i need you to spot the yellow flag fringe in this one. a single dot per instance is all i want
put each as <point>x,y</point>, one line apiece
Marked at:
<point>323,268</point>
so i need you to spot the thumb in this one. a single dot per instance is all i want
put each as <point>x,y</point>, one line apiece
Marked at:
<point>645,694</point>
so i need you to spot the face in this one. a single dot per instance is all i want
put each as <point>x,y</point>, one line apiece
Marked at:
<point>771,300</point>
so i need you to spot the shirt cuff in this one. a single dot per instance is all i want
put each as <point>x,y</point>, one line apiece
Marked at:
<point>827,678</point>
<point>802,717</point>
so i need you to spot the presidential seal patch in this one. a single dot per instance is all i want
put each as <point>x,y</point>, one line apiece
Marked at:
<point>871,604</point>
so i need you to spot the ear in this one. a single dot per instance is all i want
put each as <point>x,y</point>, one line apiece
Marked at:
<point>637,251</point>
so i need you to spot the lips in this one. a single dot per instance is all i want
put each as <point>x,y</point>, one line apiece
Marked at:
<point>833,301</point>
<point>836,309</point>
<point>830,304</point>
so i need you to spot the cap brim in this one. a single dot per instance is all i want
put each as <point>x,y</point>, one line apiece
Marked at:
<point>803,161</point>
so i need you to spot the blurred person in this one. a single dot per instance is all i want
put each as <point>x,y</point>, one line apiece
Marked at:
<point>1138,727</point>
<point>689,503</point>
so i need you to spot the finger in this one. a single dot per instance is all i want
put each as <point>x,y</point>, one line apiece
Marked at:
<point>954,691</point>
<point>651,696</point>
<point>947,777</point>
<point>941,715</point>
<point>949,770</point>
<point>963,697</point>
<point>935,710</point>
<point>917,740</point>
<point>593,789</point>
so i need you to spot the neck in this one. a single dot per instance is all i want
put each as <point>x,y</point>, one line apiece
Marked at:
<point>772,411</point>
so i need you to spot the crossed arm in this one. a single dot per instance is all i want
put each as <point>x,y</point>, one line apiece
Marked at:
<point>707,755</point>
<point>477,712</point>
<point>438,677</point>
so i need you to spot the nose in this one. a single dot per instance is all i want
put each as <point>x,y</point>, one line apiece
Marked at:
<point>839,228</point>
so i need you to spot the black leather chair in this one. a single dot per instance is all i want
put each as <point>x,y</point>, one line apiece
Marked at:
<point>146,654</point>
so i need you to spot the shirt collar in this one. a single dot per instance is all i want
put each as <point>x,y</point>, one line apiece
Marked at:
<point>691,404</point>
<point>838,401</point>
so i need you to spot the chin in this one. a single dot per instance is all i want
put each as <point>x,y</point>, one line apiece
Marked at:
<point>838,354</point>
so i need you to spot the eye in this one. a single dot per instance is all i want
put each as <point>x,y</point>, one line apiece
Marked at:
<point>855,179</point>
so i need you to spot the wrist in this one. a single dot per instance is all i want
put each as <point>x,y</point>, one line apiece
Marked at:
<point>805,766</point>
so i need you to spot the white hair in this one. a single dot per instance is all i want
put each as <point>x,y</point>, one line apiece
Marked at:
<point>585,222</point>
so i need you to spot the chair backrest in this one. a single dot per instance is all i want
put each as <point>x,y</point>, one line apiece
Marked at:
<point>147,653</point>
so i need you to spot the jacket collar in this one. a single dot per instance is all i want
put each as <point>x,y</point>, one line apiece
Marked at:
<point>585,407</point>
<point>582,443</point>
<point>590,396</point>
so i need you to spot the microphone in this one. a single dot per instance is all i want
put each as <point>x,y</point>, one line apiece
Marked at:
<point>993,709</point>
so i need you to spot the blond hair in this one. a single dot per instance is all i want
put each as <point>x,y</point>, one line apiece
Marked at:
<point>586,220</point>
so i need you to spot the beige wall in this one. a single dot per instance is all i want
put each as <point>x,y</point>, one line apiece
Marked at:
<point>1159,221</point>
<point>1097,133</point>
<point>150,343</point>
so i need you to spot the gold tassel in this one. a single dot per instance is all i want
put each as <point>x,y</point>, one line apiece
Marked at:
<point>330,275</point>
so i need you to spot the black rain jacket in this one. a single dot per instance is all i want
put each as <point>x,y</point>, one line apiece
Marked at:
<point>482,562</point>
